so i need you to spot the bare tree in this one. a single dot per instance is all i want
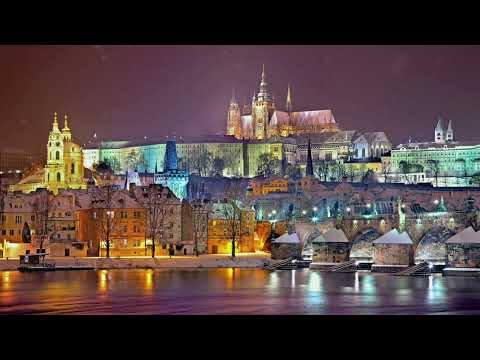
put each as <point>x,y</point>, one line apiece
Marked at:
<point>404,169</point>
<point>106,221</point>
<point>218,166</point>
<point>43,206</point>
<point>434,168</point>
<point>386,170</point>
<point>266,165</point>
<point>155,201</point>
<point>323,169</point>
<point>231,213</point>
<point>199,221</point>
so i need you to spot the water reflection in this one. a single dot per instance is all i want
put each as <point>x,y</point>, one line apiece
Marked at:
<point>149,281</point>
<point>233,291</point>
<point>103,278</point>
<point>436,290</point>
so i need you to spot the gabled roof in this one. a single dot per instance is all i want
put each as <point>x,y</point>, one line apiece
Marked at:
<point>279,118</point>
<point>466,236</point>
<point>375,136</point>
<point>312,118</point>
<point>287,239</point>
<point>332,235</point>
<point>394,237</point>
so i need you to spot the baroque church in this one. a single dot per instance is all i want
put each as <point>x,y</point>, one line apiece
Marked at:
<point>262,120</point>
<point>64,168</point>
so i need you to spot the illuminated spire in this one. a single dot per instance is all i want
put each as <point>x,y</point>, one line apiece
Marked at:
<point>289,100</point>
<point>263,93</point>
<point>55,121</point>
<point>65,124</point>
<point>233,100</point>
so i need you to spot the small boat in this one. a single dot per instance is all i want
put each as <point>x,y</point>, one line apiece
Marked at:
<point>37,263</point>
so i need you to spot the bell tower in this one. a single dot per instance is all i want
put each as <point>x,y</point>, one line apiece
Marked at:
<point>55,168</point>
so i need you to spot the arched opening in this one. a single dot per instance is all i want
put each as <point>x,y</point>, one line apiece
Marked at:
<point>57,155</point>
<point>59,177</point>
<point>73,169</point>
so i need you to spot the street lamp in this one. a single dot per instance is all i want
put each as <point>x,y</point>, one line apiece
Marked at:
<point>315,208</point>
<point>304,212</point>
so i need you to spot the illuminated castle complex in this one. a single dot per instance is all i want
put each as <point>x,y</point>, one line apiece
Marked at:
<point>262,120</point>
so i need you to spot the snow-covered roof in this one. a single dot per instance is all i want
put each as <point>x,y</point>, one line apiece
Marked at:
<point>467,235</point>
<point>394,237</point>
<point>332,235</point>
<point>287,239</point>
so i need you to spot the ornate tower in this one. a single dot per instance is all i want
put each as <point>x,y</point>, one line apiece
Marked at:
<point>233,118</point>
<point>449,134</point>
<point>439,132</point>
<point>263,107</point>
<point>172,177</point>
<point>55,167</point>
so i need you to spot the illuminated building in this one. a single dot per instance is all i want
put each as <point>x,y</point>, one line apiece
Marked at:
<point>443,162</point>
<point>64,168</point>
<point>262,120</point>
<point>172,177</point>
<point>220,231</point>
<point>262,186</point>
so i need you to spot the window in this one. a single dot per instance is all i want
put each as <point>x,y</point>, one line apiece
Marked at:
<point>18,219</point>
<point>124,228</point>
<point>59,177</point>
<point>73,169</point>
<point>4,232</point>
<point>57,155</point>
<point>12,232</point>
<point>32,218</point>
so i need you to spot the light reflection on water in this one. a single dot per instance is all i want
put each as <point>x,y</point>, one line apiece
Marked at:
<point>234,291</point>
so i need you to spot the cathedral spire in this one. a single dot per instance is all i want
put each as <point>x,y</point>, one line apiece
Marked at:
<point>263,93</point>
<point>233,100</point>
<point>289,100</point>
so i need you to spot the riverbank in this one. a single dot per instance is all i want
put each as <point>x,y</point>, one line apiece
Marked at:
<point>245,261</point>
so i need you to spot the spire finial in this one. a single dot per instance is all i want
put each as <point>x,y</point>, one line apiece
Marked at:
<point>65,125</point>
<point>55,121</point>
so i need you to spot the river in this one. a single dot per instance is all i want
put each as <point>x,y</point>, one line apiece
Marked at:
<point>228,291</point>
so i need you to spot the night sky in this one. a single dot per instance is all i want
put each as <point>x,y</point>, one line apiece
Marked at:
<point>124,92</point>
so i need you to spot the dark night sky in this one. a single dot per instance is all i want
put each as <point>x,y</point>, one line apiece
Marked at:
<point>132,91</point>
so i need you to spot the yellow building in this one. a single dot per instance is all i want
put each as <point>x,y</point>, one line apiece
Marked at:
<point>261,186</point>
<point>220,230</point>
<point>64,168</point>
<point>356,169</point>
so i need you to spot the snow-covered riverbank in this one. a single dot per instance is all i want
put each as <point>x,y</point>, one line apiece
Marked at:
<point>252,261</point>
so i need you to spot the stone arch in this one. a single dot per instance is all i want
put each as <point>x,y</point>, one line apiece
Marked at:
<point>59,177</point>
<point>362,245</point>
<point>431,246</point>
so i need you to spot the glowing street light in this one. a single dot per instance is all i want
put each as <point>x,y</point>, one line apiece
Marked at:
<point>369,205</point>
<point>304,212</point>
<point>435,201</point>
<point>315,208</point>
<point>274,212</point>
<point>348,209</point>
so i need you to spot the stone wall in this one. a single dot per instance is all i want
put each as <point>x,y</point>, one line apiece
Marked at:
<point>284,251</point>
<point>331,252</point>
<point>392,254</point>
<point>463,255</point>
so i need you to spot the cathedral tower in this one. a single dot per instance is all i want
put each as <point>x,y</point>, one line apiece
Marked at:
<point>233,118</point>
<point>439,132</point>
<point>263,107</point>
<point>449,134</point>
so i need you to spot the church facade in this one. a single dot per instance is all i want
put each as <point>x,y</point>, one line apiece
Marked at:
<point>64,168</point>
<point>262,119</point>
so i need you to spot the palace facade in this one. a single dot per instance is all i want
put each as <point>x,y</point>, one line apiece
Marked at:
<point>442,162</point>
